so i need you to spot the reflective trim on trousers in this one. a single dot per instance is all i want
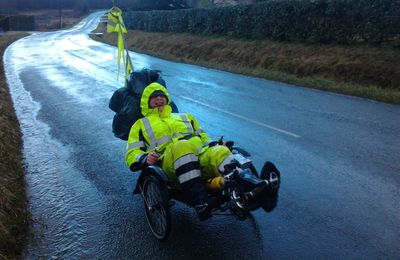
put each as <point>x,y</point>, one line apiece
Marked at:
<point>227,160</point>
<point>200,148</point>
<point>184,160</point>
<point>189,176</point>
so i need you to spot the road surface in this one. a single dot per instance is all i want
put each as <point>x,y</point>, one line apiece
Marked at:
<point>338,155</point>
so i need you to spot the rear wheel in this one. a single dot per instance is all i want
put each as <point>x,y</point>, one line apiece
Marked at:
<point>156,204</point>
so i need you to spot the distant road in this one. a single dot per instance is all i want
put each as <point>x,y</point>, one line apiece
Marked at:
<point>339,157</point>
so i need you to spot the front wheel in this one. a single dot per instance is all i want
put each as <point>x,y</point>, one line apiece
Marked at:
<point>156,204</point>
<point>268,199</point>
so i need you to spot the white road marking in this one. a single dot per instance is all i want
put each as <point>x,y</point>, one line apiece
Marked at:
<point>242,117</point>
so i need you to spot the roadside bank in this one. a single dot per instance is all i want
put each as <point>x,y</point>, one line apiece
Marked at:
<point>14,216</point>
<point>13,202</point>
<point>361,71</point>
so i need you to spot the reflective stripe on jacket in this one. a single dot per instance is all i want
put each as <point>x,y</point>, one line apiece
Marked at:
<point>159,129</point>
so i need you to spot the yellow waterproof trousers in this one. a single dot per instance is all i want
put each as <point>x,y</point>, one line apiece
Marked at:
<point>182,161</point>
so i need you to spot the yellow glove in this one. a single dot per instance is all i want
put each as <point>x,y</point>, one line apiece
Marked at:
<point>216,183</point>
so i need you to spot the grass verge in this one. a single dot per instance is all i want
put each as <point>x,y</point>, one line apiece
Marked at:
<point>359,71</point>
<point>13,202</point>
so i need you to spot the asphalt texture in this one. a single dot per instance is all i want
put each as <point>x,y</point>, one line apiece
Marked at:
<point>338,156</point>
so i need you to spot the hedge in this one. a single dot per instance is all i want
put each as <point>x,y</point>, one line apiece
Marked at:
<point>314,21</point>
<point>17,23</point>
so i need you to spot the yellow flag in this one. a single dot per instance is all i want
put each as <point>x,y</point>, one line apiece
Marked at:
<point>115,24</point>
<point>128,67</point>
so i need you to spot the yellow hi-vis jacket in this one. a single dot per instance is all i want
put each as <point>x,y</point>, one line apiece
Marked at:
<point>156,130</point>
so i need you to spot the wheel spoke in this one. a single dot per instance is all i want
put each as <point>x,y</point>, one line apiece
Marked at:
<point>156,209</point>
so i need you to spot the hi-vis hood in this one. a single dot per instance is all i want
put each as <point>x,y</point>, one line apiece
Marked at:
<point>144,101</point>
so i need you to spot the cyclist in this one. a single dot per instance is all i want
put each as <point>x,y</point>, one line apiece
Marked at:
<point>179,145</point>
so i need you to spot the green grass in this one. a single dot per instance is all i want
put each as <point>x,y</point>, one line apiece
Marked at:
<point>13,205</point>
<point>360,71</point>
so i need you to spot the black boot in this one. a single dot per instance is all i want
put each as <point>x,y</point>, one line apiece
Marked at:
<point>197,197</point>
<point>203,211</point>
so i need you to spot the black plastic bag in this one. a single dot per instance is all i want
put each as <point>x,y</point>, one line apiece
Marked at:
<point>125,102</point>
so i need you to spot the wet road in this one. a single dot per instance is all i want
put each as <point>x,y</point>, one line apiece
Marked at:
<point>339,158</point>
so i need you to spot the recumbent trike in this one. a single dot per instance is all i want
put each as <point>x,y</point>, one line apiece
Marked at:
<point>244,191</point>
